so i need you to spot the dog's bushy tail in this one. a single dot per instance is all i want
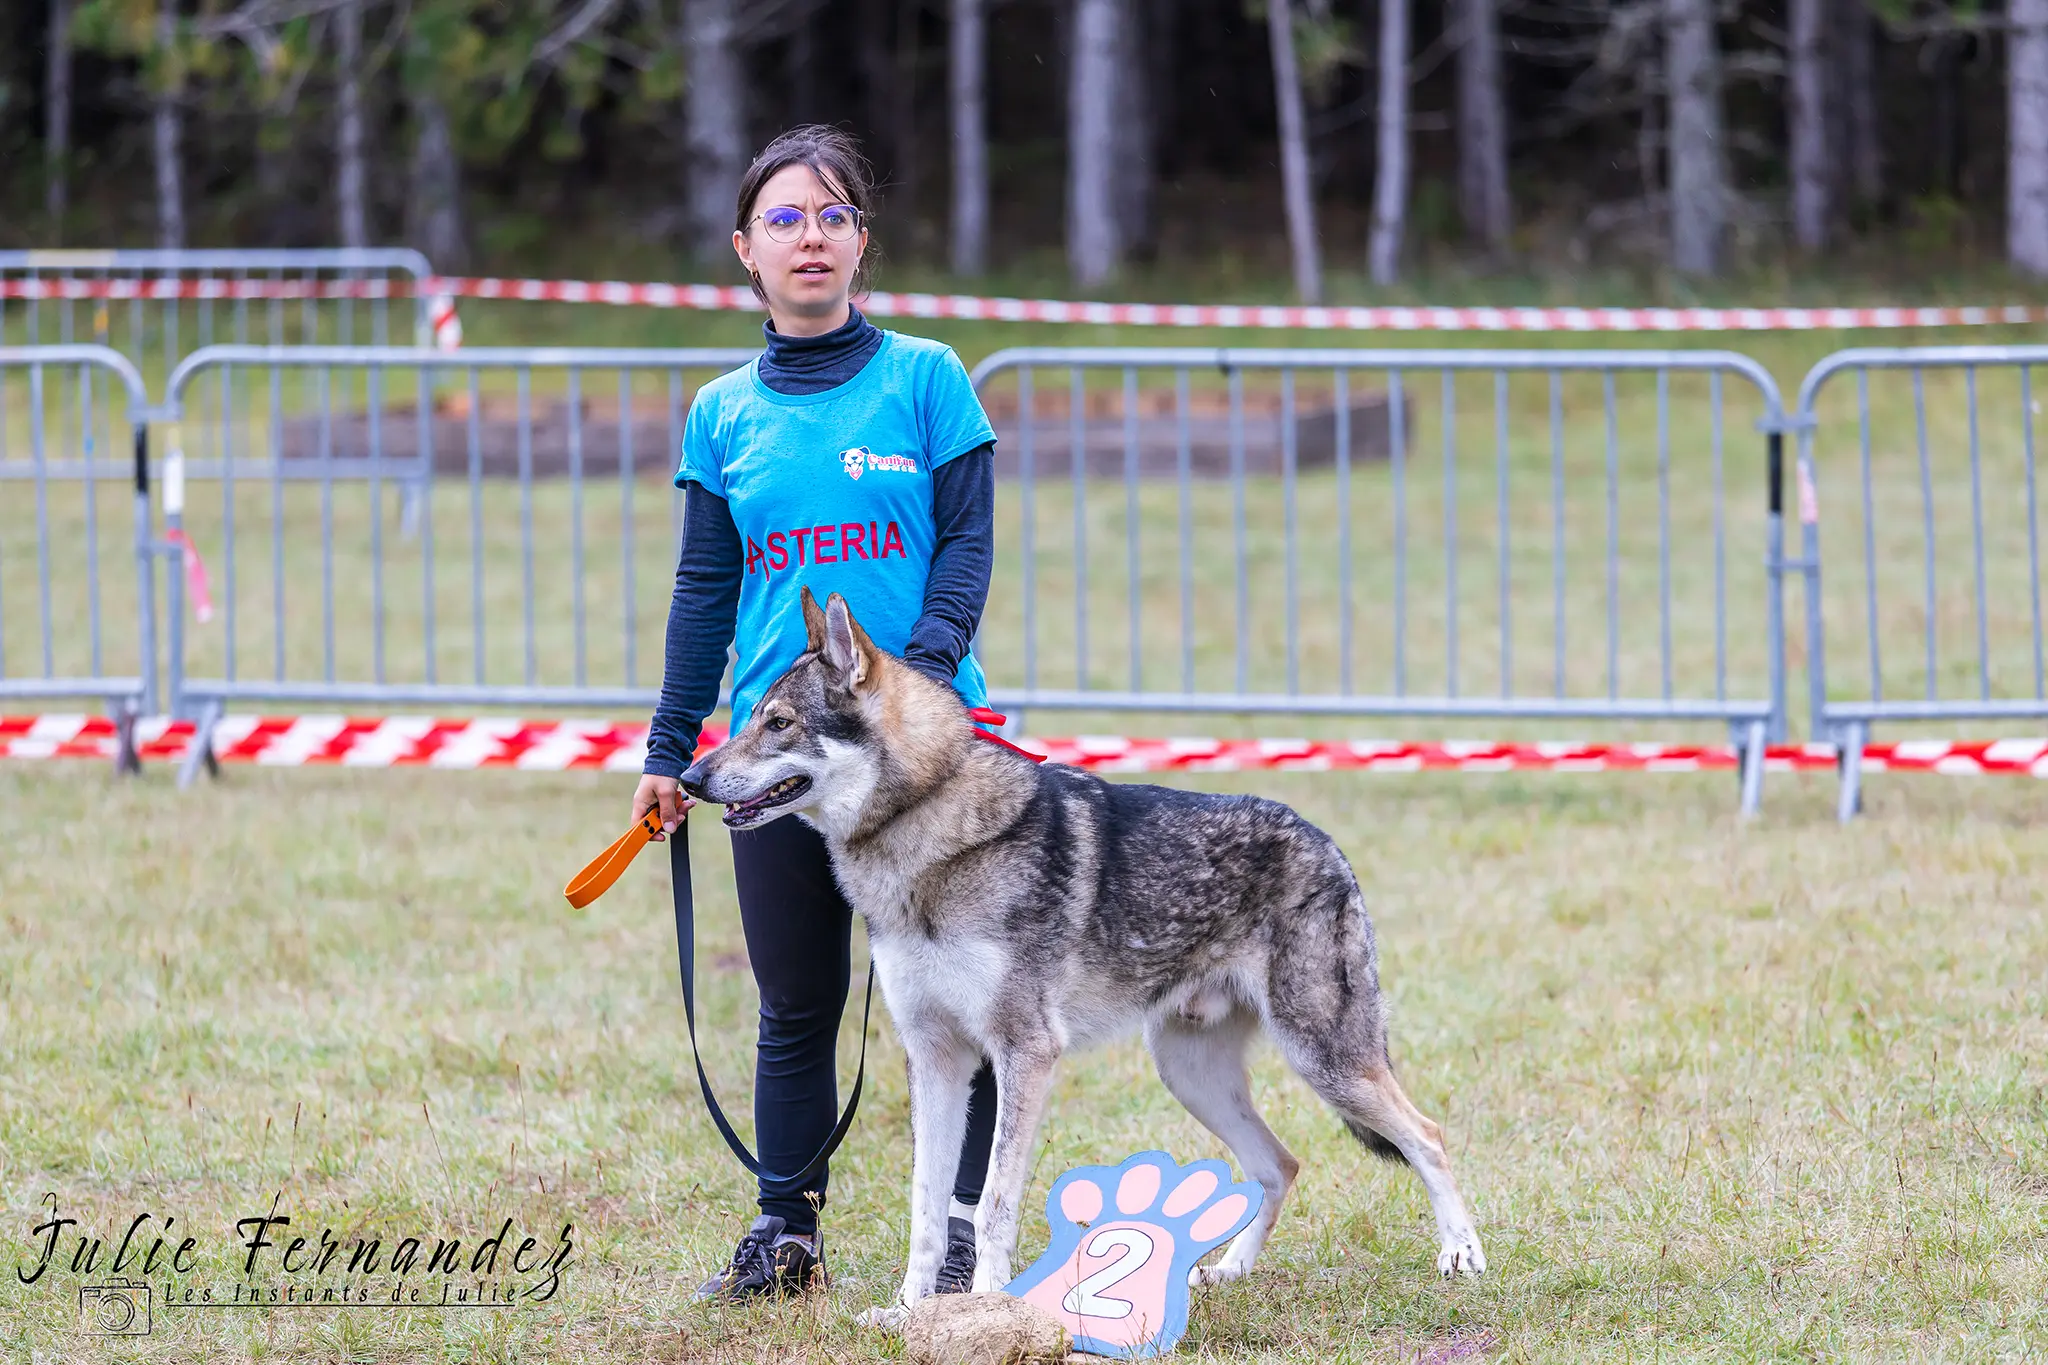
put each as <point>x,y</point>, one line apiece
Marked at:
<point>1374,1142</point>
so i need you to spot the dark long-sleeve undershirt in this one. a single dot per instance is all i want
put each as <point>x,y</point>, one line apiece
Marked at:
<point>701,619</point>
<point>963,558</point>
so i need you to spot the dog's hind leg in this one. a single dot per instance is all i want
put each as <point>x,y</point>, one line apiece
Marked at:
<point>1204,1068</point>
<point>1023,1080</point>
<point>1325,1010</point>
<point>1372,1102</point>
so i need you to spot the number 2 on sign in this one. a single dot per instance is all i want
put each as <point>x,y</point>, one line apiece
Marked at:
<point>1086,1298</point>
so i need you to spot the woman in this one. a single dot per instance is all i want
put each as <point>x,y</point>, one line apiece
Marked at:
<point>848,459</point>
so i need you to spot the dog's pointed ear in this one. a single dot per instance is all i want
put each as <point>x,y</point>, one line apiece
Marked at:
<point>814,622</point>
<point>848,652</point>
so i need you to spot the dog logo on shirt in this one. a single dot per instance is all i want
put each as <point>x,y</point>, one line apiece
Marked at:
<point>860,459</point>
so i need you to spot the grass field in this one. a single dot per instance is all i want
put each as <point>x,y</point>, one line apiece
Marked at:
<point>1715,1091</point>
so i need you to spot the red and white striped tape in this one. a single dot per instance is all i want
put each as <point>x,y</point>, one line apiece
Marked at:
<point>1117,754</point>
<point>970,307</point>
<point>557,745</point>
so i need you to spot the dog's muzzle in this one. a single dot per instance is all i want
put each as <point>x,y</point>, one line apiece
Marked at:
<point>739,814</point>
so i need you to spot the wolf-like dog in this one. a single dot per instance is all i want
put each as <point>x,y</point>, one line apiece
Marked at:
<point>1020,911</point>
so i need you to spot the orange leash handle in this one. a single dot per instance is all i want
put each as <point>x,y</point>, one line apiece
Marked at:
<point>600,872</point>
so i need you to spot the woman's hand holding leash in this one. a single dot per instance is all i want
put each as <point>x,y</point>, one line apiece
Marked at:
<point>658,807</point>
<point>666,795</point>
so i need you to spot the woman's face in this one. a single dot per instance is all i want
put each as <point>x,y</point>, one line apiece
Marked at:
<point>807,280</point>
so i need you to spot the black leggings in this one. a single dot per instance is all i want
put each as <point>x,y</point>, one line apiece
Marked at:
<point>800,938</point>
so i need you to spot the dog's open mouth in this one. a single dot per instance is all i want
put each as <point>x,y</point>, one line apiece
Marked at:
<point>781,794</point>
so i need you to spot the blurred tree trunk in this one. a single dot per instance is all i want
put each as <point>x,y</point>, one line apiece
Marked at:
<point>1294,186</point>
<point>57,117</point>
<point>1649,75</point>
<point>1856,79</point>
<point>906,174</point>
<point>1943,57</point>
<point>1482,130</point>
<point>281,209</point>
<point>803,75</point>
<point>1094,245</point>
<point>434,194</point>
<point>968,72</point>
<point>715,125</point>
<point>165,120</point>
<point>2027,147</point>
<point>1390,174</point>
<point>1812,168</point>
<point>877,75</point>
<point>1697,175</point>
<point>348,139</point>
<point>1133,127</point>
<point>1164,57</point>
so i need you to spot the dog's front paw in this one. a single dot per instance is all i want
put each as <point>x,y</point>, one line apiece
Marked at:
<point>887,1317</point>
<point>1461,1255</point>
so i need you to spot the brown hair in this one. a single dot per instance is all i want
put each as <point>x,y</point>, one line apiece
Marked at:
<point>835,158</point>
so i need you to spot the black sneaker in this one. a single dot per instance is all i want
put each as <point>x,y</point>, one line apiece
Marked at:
<point>762,1266</point>
<point>956,1276</point>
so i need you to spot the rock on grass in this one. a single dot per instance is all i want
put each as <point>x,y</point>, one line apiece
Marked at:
<point>982,1329</point>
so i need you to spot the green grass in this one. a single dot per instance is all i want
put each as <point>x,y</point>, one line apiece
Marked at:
<point>1715,1091</point>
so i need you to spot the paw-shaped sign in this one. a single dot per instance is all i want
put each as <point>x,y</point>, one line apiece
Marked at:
<point>1124,1240</point>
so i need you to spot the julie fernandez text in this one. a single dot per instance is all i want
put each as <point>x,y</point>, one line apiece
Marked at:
<point>522,1267</point>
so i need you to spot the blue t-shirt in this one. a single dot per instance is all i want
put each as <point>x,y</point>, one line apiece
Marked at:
<point>833,491</point>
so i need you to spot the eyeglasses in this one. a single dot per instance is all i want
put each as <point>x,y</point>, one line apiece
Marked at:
<point>785,222</point>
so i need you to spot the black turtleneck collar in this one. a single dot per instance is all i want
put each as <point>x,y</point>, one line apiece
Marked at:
<point>803,365</point>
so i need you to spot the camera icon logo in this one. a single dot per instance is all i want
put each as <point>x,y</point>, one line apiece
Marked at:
<point>118,1308</point>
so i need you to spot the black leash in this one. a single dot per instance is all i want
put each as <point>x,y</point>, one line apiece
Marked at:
<point>686,947</point>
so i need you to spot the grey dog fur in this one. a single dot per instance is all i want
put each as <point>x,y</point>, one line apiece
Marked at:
<point>1019,911</point>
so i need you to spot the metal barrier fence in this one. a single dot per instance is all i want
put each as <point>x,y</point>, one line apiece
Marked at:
<point>166,309</point>
<point>1245,522</point>
<point>519,451</point>
<point>72,431</point>
<point>1525,535</point>
<point>1935,584</point>
<point>168,314</point>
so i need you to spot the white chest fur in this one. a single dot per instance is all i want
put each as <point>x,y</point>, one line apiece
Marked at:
<point>954,986</point>
<point>977,990</point>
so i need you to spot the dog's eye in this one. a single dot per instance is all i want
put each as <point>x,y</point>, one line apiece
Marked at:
<point>779,723</point>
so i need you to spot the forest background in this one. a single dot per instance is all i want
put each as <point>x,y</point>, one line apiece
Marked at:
<point>1588,150</point>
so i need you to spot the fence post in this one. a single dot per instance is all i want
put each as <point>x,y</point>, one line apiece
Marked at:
<point>1809,555</point>
<point>1774,559</point>
<point>145,568</point>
